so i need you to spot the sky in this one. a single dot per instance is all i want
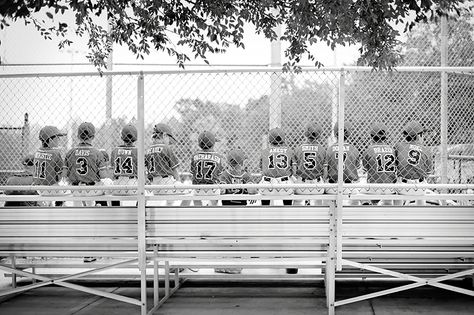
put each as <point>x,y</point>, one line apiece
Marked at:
<point>24,45</point>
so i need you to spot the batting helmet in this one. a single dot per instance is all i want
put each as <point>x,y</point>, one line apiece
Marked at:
<point>413,128</point>
<point>163,129</point>
<point>378,129</point>
<point>236,156</point>
<point>347,129</point>
<point>206,140</point>
<point>313,131</point>
<point>48,132</point>
<point>129,133</point>
<point>276,136</point>
<point>86,131</point>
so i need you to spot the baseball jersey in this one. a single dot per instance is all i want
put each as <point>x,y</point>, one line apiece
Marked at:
<point>48,166</point>
<point>277,161</point>
<point>351,161</point>
<point>235,178</point>
<point>379,162</point>
<point>84,163</point>
<point>160,160</point>
<point>309,159</point>
<point>413,160</point>
<point>206,167</point>
<point>124,161</point>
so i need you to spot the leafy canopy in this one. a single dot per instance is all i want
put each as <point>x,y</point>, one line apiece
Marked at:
<point>211,26</point>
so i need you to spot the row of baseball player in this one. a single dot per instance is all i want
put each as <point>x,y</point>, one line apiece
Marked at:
<point>408,161</point>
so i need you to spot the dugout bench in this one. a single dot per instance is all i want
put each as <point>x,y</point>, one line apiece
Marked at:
<point>422,245</point>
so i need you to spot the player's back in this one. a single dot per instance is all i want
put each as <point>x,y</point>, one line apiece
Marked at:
<point>310,160</point>
<point>124,161</point>
<point>276,161</point>
<point>379,162</point>
<point>413,160</point>
<point>83,164</point>
<point>160,160</point>
<point>351,161</point>
<point>206,167</point>
<point>48,165</point>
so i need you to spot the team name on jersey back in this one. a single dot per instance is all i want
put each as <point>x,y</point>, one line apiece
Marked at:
<point>121,151</point>
<point>345,148</point>
<point>43,156</point>
<point>313,148</point>
<point>383,149</point>
<point>157,149</point>
<point>207,156</point>
<point>82,152</point>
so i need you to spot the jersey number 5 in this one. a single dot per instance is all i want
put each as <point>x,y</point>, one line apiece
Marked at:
<point>310,160</point>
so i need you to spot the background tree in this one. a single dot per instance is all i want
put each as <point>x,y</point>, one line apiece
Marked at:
<point>198,27</point>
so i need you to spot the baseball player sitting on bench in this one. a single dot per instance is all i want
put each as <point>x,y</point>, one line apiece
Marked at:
<point>161,162</point>
<point>277,163</point>
<point>309,158</point>
<point>206,167</point>
<point>414,161</point>
<point>85,165</point>
<point>379,163</point>
<point>48,162</point>
<point>350,158</point>
<point>124,163</point>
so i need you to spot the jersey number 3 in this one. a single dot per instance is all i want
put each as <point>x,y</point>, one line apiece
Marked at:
<point>82,166</point>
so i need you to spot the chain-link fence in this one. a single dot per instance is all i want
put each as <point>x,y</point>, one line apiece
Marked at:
<point>240,107</point>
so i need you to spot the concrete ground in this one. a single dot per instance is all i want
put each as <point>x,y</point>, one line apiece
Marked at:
<point>199,297</point>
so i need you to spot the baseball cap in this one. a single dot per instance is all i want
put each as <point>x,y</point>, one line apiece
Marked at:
<point>413,128</point>
<point>28,160</point>
<point>129,133</point>
<point>48,132</point>
<point>164,129</point>
<point>378,128</point>
<point>236,156</point>
<point>276,136</point>
<point>207,139</point>
<point>313,130</point>
<point>86,131</point>
<point>347,128</point>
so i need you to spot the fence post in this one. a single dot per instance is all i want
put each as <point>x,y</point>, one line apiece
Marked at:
<point>141,189</point>
<point>274,114</point>
<point>444,101</point>
<point>340,172</point>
